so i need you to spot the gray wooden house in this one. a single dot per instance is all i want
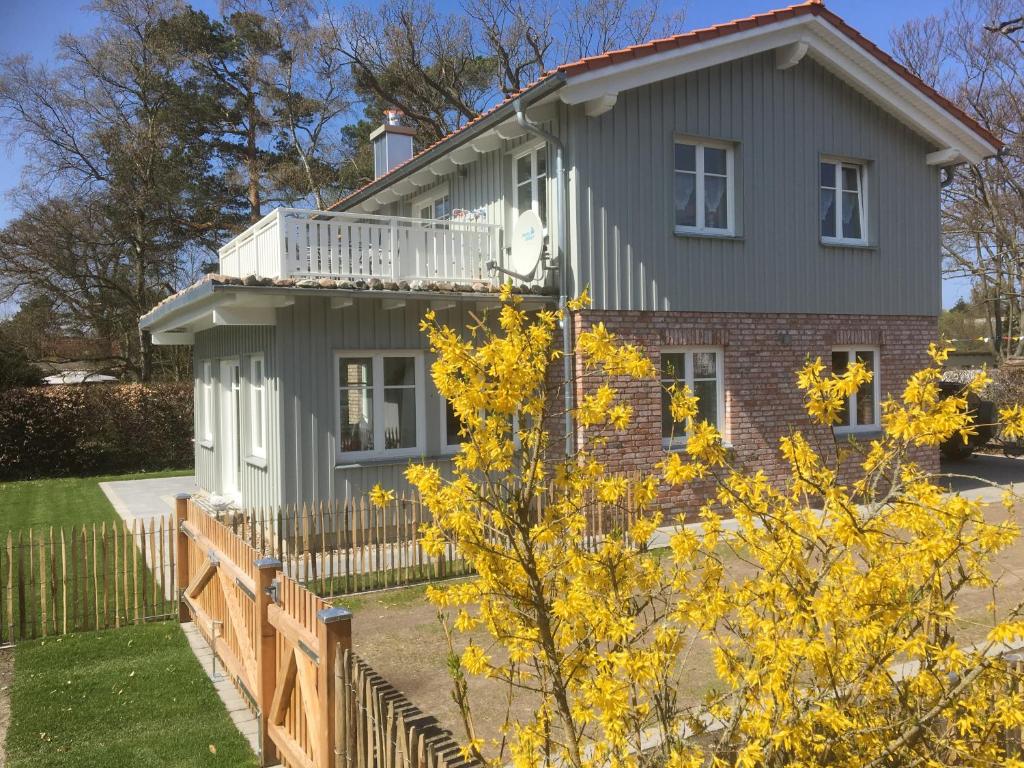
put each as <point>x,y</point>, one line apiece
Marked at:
<point>736,198</point>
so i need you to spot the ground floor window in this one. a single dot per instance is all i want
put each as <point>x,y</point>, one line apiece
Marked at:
<point>257,402</point>
<point>380,404</point>
<point>452,426</point>
<point>207,385</point>
<point>700,370</point>
<point>861,412</point>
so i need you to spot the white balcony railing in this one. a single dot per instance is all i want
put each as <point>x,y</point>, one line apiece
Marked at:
<point>300,244</point>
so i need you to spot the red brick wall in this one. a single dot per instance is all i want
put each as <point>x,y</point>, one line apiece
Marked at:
<point>761,355</point>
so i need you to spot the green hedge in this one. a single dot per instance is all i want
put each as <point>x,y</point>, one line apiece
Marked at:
<point>94,429</point>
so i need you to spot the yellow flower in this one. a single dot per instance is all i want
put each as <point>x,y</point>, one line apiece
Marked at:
<point>380,497</point>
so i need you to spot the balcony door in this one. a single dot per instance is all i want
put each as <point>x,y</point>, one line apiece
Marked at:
<point>230,428</point>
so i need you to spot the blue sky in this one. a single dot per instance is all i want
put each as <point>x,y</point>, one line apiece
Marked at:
<point>33,26</point>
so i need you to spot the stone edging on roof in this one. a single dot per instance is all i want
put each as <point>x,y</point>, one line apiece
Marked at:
<point>368,285</point>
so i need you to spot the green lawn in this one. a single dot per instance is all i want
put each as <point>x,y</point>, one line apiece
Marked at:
<point>62,501</point>
<point>129,697</point>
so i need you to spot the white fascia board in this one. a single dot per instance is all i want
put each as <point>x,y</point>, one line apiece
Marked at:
<point>173,338</point>
<point>827,45</point>
<point>190,316</point>
<point>876,81</point>
<point>232,315</point>
<point>222,307</point>
<point>679,61</point>
<point>945,157</point>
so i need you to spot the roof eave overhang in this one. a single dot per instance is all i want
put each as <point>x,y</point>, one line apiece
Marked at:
<point>955,140</point>
<point>548,85</point>
<point>210,305</point>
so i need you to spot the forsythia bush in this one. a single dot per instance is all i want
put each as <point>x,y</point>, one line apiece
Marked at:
<point>837,643</point>
<point>96,428</point>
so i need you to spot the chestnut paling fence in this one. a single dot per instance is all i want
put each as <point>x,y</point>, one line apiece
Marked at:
<point>343,546</point>
<point>56,580</point>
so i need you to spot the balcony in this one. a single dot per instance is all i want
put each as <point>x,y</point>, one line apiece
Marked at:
<point>301,244</point>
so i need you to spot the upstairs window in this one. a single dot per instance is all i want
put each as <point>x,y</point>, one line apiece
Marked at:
<point>701,371</point>
<point>704,182</point>
<point>380,405</point>
<point>532,182</point>
<point>841,203</point>
<point>435,204</point>
<point>861,413</point>
<point>257,400</point>
<point>438,208</point>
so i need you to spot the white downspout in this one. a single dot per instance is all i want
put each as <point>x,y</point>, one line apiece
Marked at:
<point>563,271</point>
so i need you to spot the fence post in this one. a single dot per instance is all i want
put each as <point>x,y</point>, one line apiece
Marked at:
<point>334,632</point>
<point>266,653</point>
<point>181,576</point>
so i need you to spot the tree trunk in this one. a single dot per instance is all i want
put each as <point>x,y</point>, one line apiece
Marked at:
<point>145,355</point>
<point>252,163</point>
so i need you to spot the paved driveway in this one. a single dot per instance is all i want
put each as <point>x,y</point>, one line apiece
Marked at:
<point>973,477</point>
<point>147,498</point>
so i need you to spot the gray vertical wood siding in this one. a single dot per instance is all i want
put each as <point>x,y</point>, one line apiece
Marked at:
<point>310,333</point>
<point>781,123</point>
<point>259,481</point>
<point>623,245</point>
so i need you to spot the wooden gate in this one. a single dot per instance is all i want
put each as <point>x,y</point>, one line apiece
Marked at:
<point>278,641</point>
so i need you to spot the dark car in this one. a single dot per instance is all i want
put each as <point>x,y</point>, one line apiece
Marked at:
<point>984,412</point>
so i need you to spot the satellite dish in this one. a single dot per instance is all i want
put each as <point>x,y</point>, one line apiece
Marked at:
<point>527,245</point>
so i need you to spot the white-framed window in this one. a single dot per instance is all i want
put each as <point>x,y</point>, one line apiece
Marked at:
<point>451,424</point>
<point>861,413</point>
<point>700,369</point>
<point>704,182</point>
<point>435,204</point>
<point>258,407</point>
<point>841,203</point>
<point>207,387</point>
<point>380,404</point>
<point>451,440</point>
<point>531,181</point>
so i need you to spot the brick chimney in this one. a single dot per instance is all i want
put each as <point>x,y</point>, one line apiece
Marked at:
<point>392,143</point>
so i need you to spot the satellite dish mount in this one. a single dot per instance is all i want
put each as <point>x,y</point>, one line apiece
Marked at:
<point>526,252</point>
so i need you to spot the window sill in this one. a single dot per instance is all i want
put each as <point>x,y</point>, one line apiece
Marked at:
<point>708,234</point>
<point>682,448</point>
<point>207,444</point>
<point>858,435</point>
<point>376,460</point>
<point>858,245</point>
<point>259,462</point>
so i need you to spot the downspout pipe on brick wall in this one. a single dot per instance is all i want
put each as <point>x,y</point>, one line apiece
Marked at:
<point>563,270</point>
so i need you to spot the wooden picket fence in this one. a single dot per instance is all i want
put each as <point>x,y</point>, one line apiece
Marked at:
<point>378,727</point>
<point>58,580</point>
<point>278,641</point>
<point>339,547</point>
